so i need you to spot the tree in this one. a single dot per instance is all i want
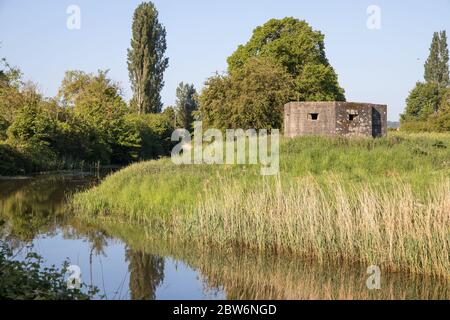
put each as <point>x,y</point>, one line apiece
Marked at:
<point>97,102</point>
<point>155,131</point>
<point>445,102</point>
<point>422,102</point>
<point>436,66</point>
<point>3,127</point>
<point>146,274</point>
<point>14,93</point>
<point>295,46</point>
<point>185,104</point>
<point>95,96</point>
<point>444,65</point>
<point>33,132</point>
<point>426,105</point>
<point>250,97</point>
<point>146,61</point>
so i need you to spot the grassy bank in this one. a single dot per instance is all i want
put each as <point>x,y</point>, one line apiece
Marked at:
<point>384,201</point>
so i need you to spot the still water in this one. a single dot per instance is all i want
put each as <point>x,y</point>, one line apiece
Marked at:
<point>129,262</point>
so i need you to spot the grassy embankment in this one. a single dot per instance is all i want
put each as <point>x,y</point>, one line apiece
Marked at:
<point>383,201</point>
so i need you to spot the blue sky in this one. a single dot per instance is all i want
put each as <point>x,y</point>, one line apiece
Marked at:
<point>378,66</point>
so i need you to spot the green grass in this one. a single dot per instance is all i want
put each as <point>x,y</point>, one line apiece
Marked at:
<point>384,201</point>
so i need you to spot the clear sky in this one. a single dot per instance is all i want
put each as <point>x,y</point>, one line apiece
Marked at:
<point>374,65</point>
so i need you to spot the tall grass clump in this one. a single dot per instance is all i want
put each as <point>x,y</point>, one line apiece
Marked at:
<point>382,201</point>
<point>388,227</point>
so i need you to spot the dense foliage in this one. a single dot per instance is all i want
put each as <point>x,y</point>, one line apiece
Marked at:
<point>87,122</point>
<point>29,280</point>
<point>284,60</point>
<point>300,50</point>
<point>146,60</point>
<point>427,106</point>
<point>436,66</point>
<point>250,97</point>
<point>186,104</point>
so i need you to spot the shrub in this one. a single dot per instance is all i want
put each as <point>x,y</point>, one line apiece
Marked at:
<point>13,162</point>
<point>250,97</point>
<point>28,280</point>
<point>3,127</point>
<point>155,131</point>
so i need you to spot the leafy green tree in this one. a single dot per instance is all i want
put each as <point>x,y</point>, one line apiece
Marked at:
<point>295,46</point>
<point>3,127</point>
<point>186,104</point>
<point>96,100</point>
<point>426,104</point>
<point>436,66</point>
<point>317,83</point>
<point>444,66</point>
<point>155,132</point>
<point>14,93</point>
<point>250,97</point>
<point>445,102</point>
<point>78,140</point>
<point>422,101</point>
<point>94,96</point>
<point>146,60</point>
<point>33,133</point>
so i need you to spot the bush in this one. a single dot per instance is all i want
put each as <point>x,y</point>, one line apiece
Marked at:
<point>155,131</point>
<point>3,127</point>
<point>88,122</point>
<point>422,102</point>
<point>13,162</point>
<point>250,97</point>
<point>77,140</point>
<point>28,280</point>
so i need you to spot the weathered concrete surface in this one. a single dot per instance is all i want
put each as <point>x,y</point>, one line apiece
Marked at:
<point>335,118</point>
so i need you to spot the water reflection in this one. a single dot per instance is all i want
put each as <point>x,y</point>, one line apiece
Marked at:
<point>146,274</point>
<point>33,210</point>
<point>32,206</point>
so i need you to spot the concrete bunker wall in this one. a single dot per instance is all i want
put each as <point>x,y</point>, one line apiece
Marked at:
<point>335,118</point>
<point>311,118</point>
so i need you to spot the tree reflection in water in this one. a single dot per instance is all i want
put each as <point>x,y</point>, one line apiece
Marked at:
<point>146,274</point>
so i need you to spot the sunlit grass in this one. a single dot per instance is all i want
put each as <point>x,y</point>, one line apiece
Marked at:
<point>383,201</point>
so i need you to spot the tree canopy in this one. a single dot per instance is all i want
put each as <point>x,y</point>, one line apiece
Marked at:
<point>284,60</point>
<point>300,50</point>
<point>146,60</point>
<point>250,97</point>
<point>436,66</point>
<point>186,104</point>
<point>427,104</point>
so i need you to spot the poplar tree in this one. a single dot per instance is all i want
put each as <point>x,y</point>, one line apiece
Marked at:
<point>431,98</point>
<point>185,104</point>
<point>436,66</point>
<point>444,59</point>
<point>146,60</point>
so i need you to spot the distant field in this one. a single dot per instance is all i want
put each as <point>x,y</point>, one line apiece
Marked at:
<point>384,201</point>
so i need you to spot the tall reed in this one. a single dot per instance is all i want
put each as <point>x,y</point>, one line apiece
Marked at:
<point>383,201</point>
<point>389,227</point>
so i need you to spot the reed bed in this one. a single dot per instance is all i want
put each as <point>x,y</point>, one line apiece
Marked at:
<point>387,227</point>
<point>385,202</point>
